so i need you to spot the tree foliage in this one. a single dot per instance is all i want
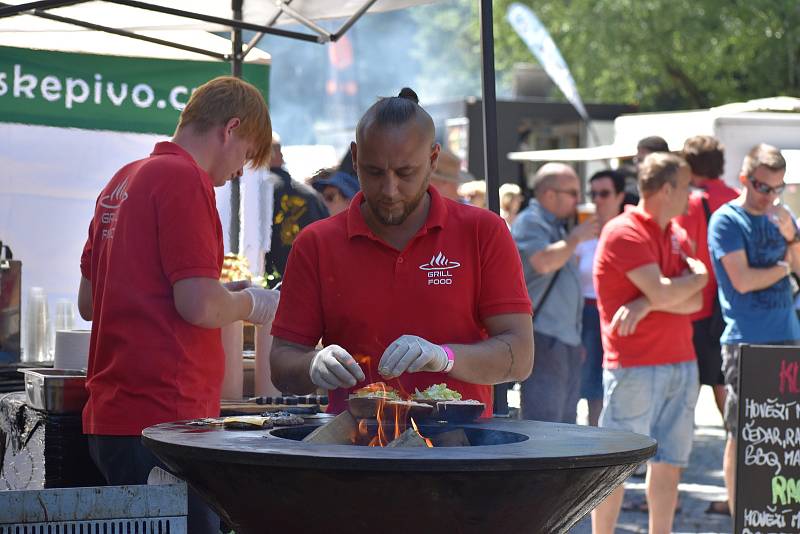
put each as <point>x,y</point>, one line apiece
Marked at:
<point>659,54</point>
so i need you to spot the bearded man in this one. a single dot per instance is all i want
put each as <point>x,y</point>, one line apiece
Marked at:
<point>404,286</point>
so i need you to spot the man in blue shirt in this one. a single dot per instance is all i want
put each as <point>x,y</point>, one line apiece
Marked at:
<point>752,242</point>
<point>552,391</point>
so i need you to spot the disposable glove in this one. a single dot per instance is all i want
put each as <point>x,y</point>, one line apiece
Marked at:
<point>411,354</point>
<point>237,286</point>
<point>333,368</point>
<point>265,303</point>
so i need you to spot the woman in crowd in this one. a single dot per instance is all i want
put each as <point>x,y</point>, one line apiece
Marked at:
<point>607,192</point>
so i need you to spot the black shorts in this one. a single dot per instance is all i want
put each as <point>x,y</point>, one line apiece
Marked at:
<point>709,353</point>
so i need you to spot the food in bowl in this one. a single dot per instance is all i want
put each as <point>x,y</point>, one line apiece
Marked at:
<point>436,392</point>
<point>377,390</point>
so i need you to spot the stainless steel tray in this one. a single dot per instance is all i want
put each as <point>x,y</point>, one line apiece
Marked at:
<point>55,390</point>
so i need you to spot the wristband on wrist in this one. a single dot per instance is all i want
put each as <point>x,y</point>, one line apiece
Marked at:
<point>785,265</point>
<point>451,358</point>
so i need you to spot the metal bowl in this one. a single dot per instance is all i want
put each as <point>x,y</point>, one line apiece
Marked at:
<point>459,411</point>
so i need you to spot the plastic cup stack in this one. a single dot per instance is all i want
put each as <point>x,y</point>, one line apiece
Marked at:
<point>65,315</point>
<point>37,338</point>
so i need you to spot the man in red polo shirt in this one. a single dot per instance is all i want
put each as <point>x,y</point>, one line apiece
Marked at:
<point>647,284</point>
<point>405,286</point>
<point>150,284</point>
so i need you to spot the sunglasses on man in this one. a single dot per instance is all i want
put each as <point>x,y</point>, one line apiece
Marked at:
<point>605,193</point>
<point>571,192</point>
<point>766,189</point>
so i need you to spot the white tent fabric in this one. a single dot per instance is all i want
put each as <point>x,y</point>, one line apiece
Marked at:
<point>254,11</point>
<point>49,177</point>
<point>673,126</point>
<point>134,19</point>
<point>67,39</point>
<point>49,181</point>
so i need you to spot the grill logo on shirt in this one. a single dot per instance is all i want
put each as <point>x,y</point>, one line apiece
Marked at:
<point>438,270</point>
<point>116,197</point>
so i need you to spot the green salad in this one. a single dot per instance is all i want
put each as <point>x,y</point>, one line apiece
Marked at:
<point>437,392</point>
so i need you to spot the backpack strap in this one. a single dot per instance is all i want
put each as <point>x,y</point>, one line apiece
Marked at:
<point>706,208</point>
<point>547,291</point>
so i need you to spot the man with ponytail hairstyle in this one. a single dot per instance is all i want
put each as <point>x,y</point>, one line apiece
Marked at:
<point>405,286</point>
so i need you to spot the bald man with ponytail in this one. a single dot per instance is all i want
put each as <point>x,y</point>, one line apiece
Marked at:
<point>404,287</point>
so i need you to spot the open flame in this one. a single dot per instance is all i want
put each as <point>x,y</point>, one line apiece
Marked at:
<point>428,442</point>
<point>384,434</point>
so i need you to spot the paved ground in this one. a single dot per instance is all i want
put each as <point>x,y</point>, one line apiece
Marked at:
<point>701,483</point>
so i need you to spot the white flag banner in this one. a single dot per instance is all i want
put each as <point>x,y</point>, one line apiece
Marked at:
<point>539,42</point>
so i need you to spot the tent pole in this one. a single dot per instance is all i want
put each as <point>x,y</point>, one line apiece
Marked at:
<point>260,35</point>
<point>231,23</point>
<point>10,11</point>
<point>236,186</point>
<point>305,21</point>
<point>489,107</point>
<point>352,20</point>
<point>490,149</point>
<point>124,33</point>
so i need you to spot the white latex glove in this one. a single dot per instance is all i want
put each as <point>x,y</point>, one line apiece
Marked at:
<point>265,303</point>
<point>239,285</point>
<point>334,368</point>
<point>411,354</point>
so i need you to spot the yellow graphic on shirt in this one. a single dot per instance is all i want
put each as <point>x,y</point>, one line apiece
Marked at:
<point>288,216</point>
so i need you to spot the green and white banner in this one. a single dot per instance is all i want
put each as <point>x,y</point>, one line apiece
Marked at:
<point>98,92</point>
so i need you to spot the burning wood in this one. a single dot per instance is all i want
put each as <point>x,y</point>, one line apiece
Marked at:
<point>341,431</point>
<point>409,438</point>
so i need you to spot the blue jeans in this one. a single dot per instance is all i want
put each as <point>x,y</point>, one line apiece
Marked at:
<point>552,391</point>
<point>657,401</point>
<point>592,370</point>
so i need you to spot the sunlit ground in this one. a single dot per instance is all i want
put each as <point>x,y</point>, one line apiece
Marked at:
<point>701,483</point>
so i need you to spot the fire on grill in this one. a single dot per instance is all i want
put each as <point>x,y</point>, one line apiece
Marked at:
<point>378,417</point>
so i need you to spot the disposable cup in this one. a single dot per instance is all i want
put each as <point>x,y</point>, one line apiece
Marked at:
<point>37,338</point>
<point>65,315</point>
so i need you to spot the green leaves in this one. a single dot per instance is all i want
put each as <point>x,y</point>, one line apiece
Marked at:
<point>660,54</point>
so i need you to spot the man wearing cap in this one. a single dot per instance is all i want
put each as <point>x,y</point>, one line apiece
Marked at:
<point>448,175</point>
<point>337,189</point>
<point>405,286</point>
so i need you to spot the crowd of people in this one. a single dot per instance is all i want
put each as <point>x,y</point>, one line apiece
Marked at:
<point>639,305</point>
<point>632,308</point>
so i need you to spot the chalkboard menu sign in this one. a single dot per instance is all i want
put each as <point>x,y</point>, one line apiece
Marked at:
<point>768,445</point>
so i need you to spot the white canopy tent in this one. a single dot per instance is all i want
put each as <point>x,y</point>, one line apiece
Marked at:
<point>163,22</point>
<point>50,176</point>
<point>674,127</point>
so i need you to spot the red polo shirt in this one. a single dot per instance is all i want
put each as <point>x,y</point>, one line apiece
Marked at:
<point>628,242</point>
<point>696,226</point>
<point>345,285</point>
<point>155,223</point>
